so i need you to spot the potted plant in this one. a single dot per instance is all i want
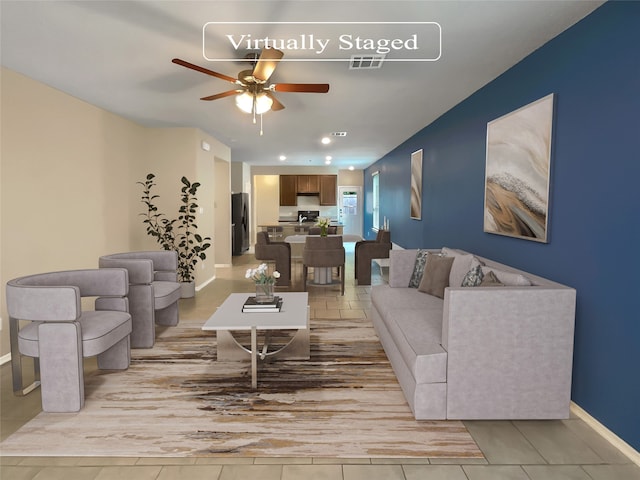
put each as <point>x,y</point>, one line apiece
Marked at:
<point>179,234</point>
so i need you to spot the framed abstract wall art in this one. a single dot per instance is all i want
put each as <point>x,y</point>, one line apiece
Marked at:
<point>416,185</point>
<point>516,198</point>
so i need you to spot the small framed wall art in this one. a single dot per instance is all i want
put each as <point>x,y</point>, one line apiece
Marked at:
<point>416,185</point>
<point>516,198</point>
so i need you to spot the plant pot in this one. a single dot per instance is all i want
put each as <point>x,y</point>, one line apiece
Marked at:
<point>187,289</point>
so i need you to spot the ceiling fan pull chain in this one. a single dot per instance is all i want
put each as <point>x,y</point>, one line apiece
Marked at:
<point>261,124</point>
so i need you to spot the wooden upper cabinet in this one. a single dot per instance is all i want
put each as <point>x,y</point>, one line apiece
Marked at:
<point>288,190</point>
<point>308,184</point>
<point>328,189</point>
<point>324,185</point>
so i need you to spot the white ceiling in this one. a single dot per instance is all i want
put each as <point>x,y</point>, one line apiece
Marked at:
<point>117,55</point>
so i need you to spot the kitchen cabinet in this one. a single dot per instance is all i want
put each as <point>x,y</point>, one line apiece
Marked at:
<point>326,186</point>
<point>328,189</point>
<point>308,184</point>
<point>288,190</point>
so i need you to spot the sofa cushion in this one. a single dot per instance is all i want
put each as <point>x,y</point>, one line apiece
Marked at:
<point>462,263</point>
<point>490,280</point>
<point>388,300</point>
<point>508,278</point>
<point>436,275</point>
<point>414,322</point>
<point>418,268</point>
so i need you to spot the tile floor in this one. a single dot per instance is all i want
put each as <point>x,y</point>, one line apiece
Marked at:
<point>513,450</point>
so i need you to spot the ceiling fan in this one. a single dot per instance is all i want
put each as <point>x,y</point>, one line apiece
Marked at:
<point>253,94</point>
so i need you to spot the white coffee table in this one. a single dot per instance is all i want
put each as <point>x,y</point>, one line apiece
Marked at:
<point>294,315</point>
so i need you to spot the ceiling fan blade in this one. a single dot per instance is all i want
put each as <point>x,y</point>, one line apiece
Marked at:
<point>301,87</point>
<point>276,105</point>
<point>204,70</point>
<point>266,64</point>
<point>222,95</point>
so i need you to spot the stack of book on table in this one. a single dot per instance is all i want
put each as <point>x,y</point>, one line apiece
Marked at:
<point>252,306</point>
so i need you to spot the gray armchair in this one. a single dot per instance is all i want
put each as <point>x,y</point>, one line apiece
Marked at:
<point>367,250</point>
<point>323,252</point>
<point>154,291</point>
<point>59,334</point>
<point>279,252</point>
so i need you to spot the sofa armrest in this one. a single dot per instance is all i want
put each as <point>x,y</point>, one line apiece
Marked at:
<point>510,351</point>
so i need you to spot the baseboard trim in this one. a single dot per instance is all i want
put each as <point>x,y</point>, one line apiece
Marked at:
<point>205,283</point>
<point>5,359</point>
<point>607,434</point>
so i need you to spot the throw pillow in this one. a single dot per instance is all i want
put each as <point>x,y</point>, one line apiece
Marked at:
<point>418,269</point>
<point>436,275</point>
<point>474,277</point>
<point>462,263</point>
<point>508,278</point>
<point>490,280</point>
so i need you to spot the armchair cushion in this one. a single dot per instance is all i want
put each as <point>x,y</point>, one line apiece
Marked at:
<point>100,330</point>
<point>165,294</point>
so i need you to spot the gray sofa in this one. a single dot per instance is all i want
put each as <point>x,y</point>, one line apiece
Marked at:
<point>481,352</point>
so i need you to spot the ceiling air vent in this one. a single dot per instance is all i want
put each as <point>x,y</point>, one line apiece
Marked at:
<point>338,134</point>
<point>365,62</point>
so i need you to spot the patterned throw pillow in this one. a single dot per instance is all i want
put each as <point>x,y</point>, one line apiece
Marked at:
<point>418,269</point>
<point>474,277</point>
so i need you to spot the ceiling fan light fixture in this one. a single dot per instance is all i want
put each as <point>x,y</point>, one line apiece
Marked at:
<point>258,103</point>
<point>263,103</point>
<point>244,102</point>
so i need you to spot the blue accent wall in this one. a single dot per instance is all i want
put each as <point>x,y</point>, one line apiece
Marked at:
<point>593,69</point>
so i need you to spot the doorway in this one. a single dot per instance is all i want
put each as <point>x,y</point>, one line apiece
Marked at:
<point>350,209</point>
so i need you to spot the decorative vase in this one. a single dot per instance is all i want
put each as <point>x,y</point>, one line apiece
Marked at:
<point>323,231</point>
<point>264,292</point>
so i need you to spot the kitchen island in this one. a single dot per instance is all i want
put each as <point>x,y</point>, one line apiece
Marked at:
<point>280,230</point>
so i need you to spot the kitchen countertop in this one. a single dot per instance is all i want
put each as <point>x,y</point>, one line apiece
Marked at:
<point>280,223</point>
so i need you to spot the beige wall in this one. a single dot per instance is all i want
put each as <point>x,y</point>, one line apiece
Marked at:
<point>68,182</point>
<point>350,178</point>
<point>267,189</point>
<point>64,201</point>
<point>222,207</point>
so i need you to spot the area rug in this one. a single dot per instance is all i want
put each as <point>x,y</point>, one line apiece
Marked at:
<point>177,400</point>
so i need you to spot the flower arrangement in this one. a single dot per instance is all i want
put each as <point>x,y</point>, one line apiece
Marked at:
<point>323,223</point>
<point>264,282</point>
<point>260,275</point>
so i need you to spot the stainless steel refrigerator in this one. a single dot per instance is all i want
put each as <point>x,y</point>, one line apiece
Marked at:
<point>239,223</point>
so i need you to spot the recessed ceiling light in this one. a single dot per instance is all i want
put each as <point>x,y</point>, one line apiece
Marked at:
<point>326,140</point>
<point>351,168</point>
<point>282,158</point>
